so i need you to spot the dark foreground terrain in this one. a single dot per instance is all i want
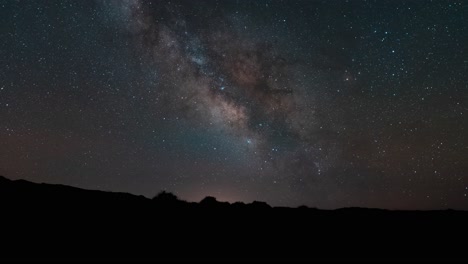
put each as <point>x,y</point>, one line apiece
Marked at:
<point>54,222</point>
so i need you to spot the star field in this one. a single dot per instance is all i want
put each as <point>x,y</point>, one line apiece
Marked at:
<point>323,103</point>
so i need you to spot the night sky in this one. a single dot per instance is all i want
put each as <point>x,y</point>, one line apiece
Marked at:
<point>321,103</point>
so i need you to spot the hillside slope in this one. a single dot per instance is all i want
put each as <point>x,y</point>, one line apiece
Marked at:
<point>44,221</point>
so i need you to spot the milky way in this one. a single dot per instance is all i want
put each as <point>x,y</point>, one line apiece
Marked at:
<point>359,103</point>
<point>240,86</point>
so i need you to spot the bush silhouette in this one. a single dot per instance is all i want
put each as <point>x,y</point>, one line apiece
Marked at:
<point>166,198</point>
<point>260,205</point>
<point>209,200</point>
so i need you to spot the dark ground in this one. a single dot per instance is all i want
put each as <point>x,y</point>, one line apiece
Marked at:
<point>54,222</point>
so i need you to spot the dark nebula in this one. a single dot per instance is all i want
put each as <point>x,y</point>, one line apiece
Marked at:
<point>323,103</point>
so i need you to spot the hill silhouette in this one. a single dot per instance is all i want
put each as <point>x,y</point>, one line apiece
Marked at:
<point>56,222</point>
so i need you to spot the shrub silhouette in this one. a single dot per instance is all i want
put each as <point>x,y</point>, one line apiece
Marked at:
<point>259,205</point>
<point>209,200</point>
<point>166,199</point>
